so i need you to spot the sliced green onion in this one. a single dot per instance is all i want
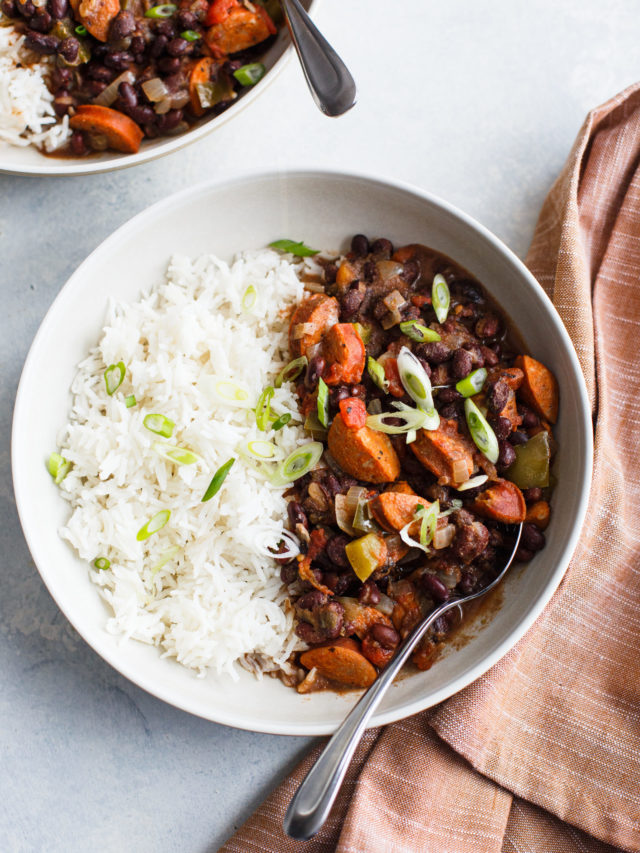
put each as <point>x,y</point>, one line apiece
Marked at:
<point>114,376</point>
<point>130,401</point>
<point>80,30</point>
<point>218,479</point>
<point>190,35</point>
<point>101,563</point>
<point>412,419</point>
<point>363,331</point>
<point>248,75</point>
<point>417,384</point>
<point>153,525</point>
<point>159,424</point>
<point>323,403</point>
<point>249,298</point>
<point>418,332</point>
<point>297,249</point>
<point>298,463</point>
<point>263,451</point>
<point>472,383</point>
<point>377,374</point>
<point>283,420</point>
<point>440,297</point>
<point>231,392</point>
<point>164,10</point>
<point>473,483</point>
<point>263,409</point>
<point>165,556</point>
<point>58,467</point>
<point>483,436</point>
<point>173,453</point>
<point>429,523</point>
<point>291,371</point>
<point>411,436</point>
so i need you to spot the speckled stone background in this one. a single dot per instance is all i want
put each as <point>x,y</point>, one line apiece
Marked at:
<point>477,101</point>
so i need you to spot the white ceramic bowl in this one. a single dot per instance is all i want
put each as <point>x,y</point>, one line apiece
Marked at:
<point>30,162</point>
<point>324,209</point>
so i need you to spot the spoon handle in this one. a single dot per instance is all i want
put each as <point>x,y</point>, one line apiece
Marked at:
<point>312,802</point>
<point>328,78</point>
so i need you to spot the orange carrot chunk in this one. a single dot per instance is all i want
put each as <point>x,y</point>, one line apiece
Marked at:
<point>539,388</point>
<point>340,662</point>
<point>121,132</point>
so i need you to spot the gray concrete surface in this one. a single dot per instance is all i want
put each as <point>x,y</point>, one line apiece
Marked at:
<point>476,100</point>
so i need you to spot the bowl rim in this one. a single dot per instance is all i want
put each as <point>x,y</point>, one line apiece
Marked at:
<point>74,167</point>
<point>537,604</point>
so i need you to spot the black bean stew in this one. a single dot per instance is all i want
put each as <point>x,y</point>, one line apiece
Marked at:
<point>418,495</point>
<point>123,70</point>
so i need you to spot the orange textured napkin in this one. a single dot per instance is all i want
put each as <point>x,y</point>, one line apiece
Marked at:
<point>541,754</point>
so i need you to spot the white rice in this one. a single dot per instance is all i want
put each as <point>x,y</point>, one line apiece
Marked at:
<point>27,116</point>
<point>217,599</point>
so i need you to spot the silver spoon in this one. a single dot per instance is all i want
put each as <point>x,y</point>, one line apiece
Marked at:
<point>328,78</point>
<point>312,802</point>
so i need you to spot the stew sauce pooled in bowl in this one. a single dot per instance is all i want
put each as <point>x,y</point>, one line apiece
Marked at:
<point>438,441</point>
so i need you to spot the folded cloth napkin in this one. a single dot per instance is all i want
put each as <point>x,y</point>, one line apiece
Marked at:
<point>542,754</point>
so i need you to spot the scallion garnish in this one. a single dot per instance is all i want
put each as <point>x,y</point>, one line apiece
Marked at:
<point>58,467</point>
<point>418,332</point>
<point>412,419</point>
<point>101,563</point>
<point>377,374</point>
<point>440,297</point>
<point>323,403</point>
<point>473,483</point>
<point>249,298</point>
<point>159,424</point>
<point>417,384</point>
<point>297,249</point>
<point>153,525</point>
<point>130,401</point>
<point>248,75</point>
<point>472,383</point>
<point>291,371</point>
<point>283,420</point>
<point>173,453</point>
<point>429,523</point>
<point>263,451</point>
<point>80,30</point>
<point>298,463</point>
<point>165,556</point>
<point>164,10</point>
<point>263,409</point>
<point>190,35</point>
<point>231,392</point>
<point>114,377</point>
<point>218,479</point>
<point>483,436</point>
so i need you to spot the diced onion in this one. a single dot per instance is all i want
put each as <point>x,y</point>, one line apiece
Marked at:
<point>343,516</point>
<point>301,329</point>
<point>110,92</point>
<point>443,536</point>
<point>155,89</point>
<point>389,269</point>
<point>385,605</point>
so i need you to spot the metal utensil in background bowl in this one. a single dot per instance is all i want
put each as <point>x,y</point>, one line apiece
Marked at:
<point>249,212</point>
<point>29,161</point>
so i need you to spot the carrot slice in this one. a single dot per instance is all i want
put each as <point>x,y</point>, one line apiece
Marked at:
<point>539,388</point>
<point>502,501</point>
<point>340,662</point>
<point>122,133</point>
<point>539,514</point>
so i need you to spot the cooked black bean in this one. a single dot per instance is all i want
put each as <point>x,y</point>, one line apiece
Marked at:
<point>451,411</point>
<point>435,352</point>
<point>59,8</point>
<point>533,539</point>
<point>382,246</point>
<point>123,25</point>
<point>529,417</point>
<point>138,45</point>
<point>186,20</point>
<point>497,396</point>
<point>61,78</point>
<point>487,326</point>
<point>140,114</point>
<point>340,392</point>
<point>336,550</point>
<point>532,495</point>
<point>501,427</point>
<point>358,391</point>
<point>289,573</point>
<point>158,46</point>
<point>369,594</point>
<point>448,395</point>
<point>27,9</point>
<point>177,47</point>
<point>128,94</point>
<point>314,371</point>
<point>350,303</point>
<point>169,64</point>
<point>410,271</point>
<point>120,60</point>
<point>490,358</point>
<point>462,363</point>
<point>523,555</point>
<point>69,49</point>
<point>369,270</point>
<point>170,120</point>
<point>166,28</point>
<point>518,437</point>
<point>41,22</point>
<point>330,270</point>
<point>296,514</point>
<point>385,635</point>
<point>506,456</point>
<point>9,8</point>
<point>434,587</point>
<point>359,245</point>
<point>62,102</point>
<point>40,43</point>
<point>96,71</point>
